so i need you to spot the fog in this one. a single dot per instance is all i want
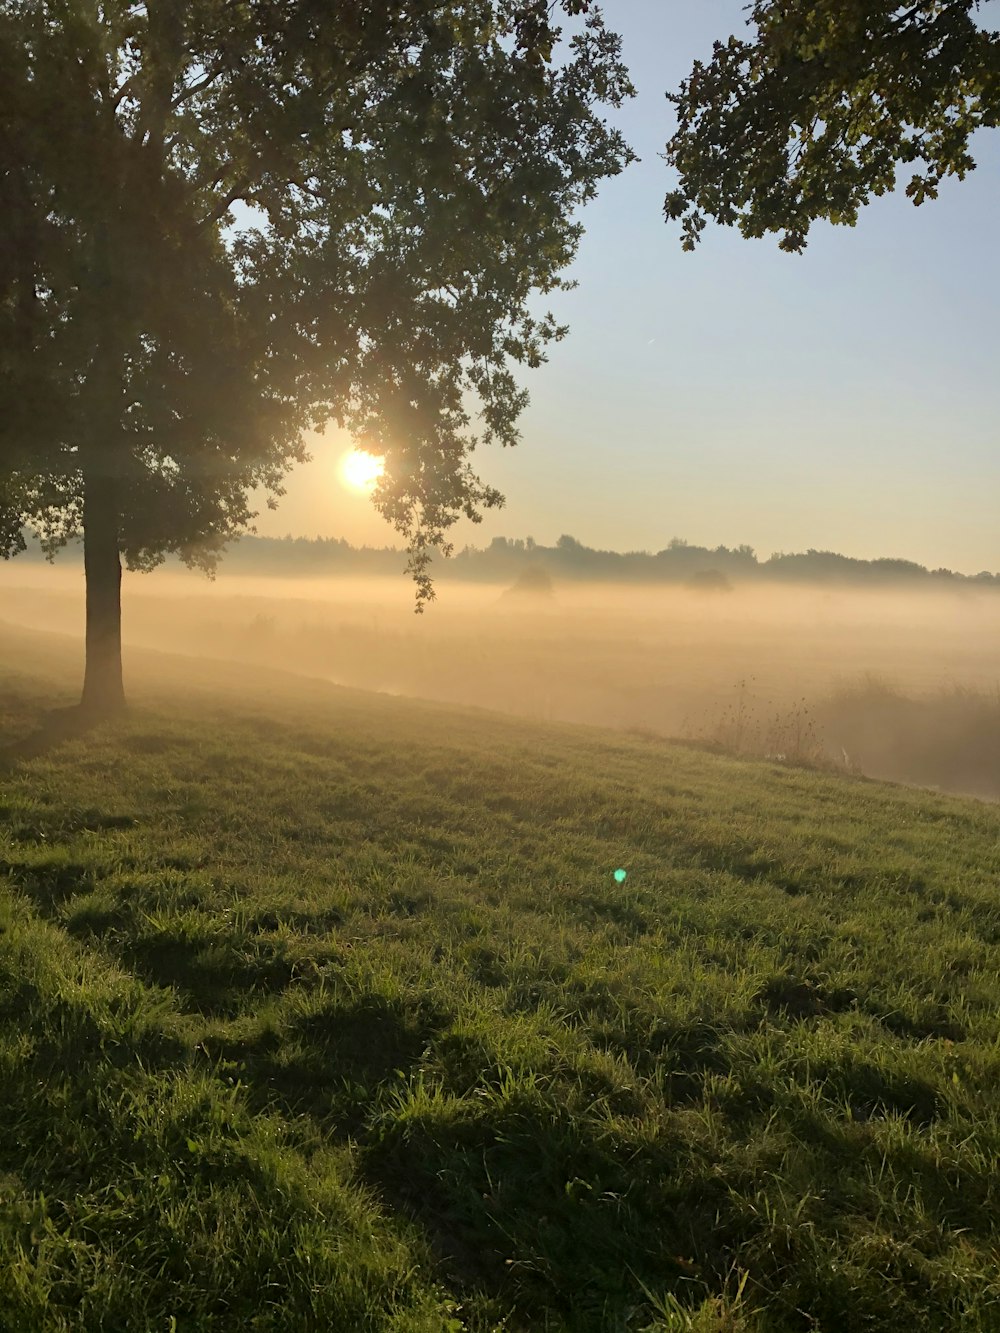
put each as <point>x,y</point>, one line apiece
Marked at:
<point>901,685</point>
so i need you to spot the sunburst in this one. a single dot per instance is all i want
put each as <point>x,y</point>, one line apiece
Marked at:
<point>359,471</point>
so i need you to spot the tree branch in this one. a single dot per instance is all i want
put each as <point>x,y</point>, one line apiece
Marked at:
<point>126,90</point>
<point>901,20</point>
<point>198,87</point>
<point>224,204</point>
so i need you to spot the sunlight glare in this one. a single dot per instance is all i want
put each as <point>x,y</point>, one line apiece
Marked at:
<point>359,470</point>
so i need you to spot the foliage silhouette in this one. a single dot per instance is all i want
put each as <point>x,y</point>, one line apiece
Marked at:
<point>816,112</point>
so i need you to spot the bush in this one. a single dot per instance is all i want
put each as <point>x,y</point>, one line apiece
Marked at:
<point>534,582</point>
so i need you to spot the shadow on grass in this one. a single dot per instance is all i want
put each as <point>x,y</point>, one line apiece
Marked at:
<point>526,1202</point>
<point>521,1203</point>
<point>333,1063</point>
<point>212,976</point>
<point>537,1207</point>
<point>49,884</point>
<point>58,726</point>
<point>69,1047</point>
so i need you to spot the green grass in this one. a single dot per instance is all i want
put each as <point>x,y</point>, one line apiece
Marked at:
<point>328,1014</point>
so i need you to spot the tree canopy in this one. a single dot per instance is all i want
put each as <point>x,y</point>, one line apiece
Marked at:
<point>821,107</point>
<point>228,221</point>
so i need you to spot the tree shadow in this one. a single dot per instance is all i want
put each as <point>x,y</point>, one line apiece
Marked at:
<point>211,976</point>
<point>525,1202</point>
<point>333,1063</point>
<point>57,727</point>
<point>538,1208</point>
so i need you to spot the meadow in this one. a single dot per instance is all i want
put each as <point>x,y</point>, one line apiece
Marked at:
<point>323,1009</point>
<point>895,684</point>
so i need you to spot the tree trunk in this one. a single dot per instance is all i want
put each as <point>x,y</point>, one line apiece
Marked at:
<point>103,691</point>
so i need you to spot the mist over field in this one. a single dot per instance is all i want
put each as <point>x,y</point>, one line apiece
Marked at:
<point>614,945</point>
<point>892,684</point>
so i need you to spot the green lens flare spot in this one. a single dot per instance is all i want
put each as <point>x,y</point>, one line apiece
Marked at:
<point>621,876</point>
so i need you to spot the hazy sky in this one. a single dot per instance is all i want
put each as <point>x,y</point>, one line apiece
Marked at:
<point>848,399</point>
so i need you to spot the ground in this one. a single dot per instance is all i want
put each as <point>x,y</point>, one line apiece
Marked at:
<point>323,1010</point>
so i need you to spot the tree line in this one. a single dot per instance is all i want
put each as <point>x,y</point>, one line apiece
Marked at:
<point>507,559</point>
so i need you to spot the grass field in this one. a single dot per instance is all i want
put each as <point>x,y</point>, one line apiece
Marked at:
<point>906,683</point>
<point>323,1011</point>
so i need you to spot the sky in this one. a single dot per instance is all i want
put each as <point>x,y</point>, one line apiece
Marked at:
<point>847,399</point>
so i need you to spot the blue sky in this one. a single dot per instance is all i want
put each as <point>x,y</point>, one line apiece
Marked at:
<point>847,399</point>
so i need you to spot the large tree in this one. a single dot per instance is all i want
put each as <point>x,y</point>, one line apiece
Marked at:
<point>823,104</point>
<point>411,172</point>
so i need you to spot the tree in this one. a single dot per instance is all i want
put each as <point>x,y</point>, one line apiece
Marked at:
<point>814,114</point>
<point>534,583</point>
<point>228,221</point>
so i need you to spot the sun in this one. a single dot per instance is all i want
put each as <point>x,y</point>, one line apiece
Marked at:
<point>359,471</point>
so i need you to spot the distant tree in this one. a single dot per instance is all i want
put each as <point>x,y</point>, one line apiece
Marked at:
<point>535,583</point>
<point>709,580</point>
<point>410,171</point>
<point>814,113</point>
